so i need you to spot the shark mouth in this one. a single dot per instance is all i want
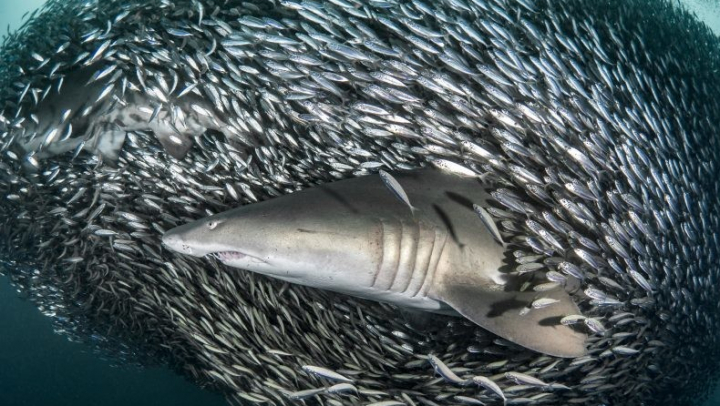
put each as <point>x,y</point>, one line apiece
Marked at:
<point>227,256</point>
<point>224,256</point>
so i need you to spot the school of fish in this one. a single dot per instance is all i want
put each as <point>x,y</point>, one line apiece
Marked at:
<point>594,122</point>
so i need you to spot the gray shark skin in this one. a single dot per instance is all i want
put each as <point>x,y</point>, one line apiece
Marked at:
<point>355,237</point>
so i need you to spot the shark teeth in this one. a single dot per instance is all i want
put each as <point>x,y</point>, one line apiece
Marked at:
<point>224,256</point>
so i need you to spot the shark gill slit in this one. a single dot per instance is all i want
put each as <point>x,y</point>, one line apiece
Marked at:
<point>425,243</point>
<point>391,239</point>
<point>409,234</point>
<point>382,253</point>
<point>438,248</point>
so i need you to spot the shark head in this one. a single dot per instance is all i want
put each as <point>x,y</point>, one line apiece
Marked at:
<point>304,238</point>
<point>88,112</point>
<point>218,237</point>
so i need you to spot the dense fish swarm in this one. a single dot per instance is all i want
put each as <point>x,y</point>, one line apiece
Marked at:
<point>596,123</point>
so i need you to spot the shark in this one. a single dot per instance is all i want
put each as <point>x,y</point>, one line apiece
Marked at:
<point>355,237</point>
<point>84,113</point>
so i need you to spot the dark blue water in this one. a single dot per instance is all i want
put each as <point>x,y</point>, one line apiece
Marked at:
<point>714,398</point>
<point>41,368</point>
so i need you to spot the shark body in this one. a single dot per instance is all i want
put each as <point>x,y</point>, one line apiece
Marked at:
<point>85,114</point>
<point>355,237</point>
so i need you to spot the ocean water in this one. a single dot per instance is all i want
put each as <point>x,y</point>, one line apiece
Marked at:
<point>707,11</point>
<point>39,367</point>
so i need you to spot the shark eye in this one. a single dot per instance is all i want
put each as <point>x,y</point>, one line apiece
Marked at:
<point>212,224</point>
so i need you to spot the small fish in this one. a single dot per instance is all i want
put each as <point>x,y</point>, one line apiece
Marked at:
<point>326,373</point>
<point>387,403</point>
<point>556,277</point>
<point>446,372</point>
<point>524,379</point>
<point>595,325</point>
<point>396,188</point>
<point>623,350</point>
<point>595,293</point>
<point>572,319</point>
<point>644,283</point>
<point>467,400</point>
<point>571,269</point>
<point>342,388</point>
<point>528,267</point>
<point>544,287</point>
<point>176,32</point>
<point>453,167</point>
<point>74,260</point>
<point>304,394</point>
<point>543,302</point>
<point>489,223</point>
<point>488,383</point>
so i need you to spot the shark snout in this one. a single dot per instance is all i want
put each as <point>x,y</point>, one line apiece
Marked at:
<point>175,242</point>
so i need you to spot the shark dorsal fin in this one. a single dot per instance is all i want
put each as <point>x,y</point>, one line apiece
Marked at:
<point>501,312</point>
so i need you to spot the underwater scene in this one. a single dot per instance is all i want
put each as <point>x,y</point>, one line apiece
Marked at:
<point>359,202</point>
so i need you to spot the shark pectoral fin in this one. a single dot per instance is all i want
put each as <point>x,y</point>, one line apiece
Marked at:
<point>503,313</point>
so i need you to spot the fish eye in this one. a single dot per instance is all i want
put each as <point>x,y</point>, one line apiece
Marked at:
<point>212,224</point>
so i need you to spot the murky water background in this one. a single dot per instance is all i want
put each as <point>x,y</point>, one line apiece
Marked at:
<point>41,368</point>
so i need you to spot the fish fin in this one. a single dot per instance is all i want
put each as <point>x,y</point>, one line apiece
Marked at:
<point>414,210</point>
<point>176,144</point>
<point>499,312</point>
